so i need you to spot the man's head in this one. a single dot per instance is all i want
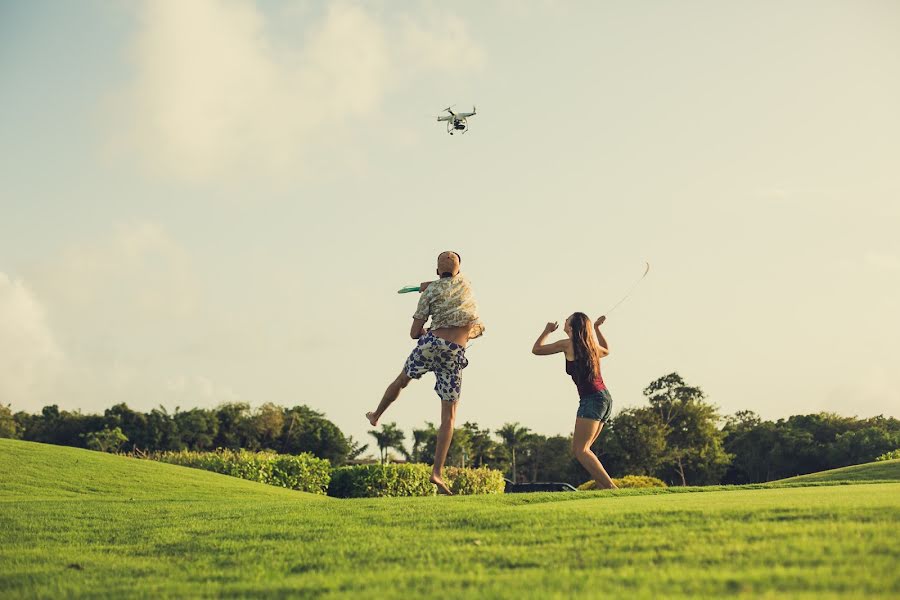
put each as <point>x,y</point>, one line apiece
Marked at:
<point>448,264</point>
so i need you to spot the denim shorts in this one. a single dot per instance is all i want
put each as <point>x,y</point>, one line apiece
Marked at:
<point>596,406</point>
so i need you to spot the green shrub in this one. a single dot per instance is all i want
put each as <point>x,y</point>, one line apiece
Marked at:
<point>467,482</point>
<point>303,472</point>
<point>639,481</point>
<point>8,426</point>
<point>628,481</point>
<point>893,454</point>
<point>107,440</point>
<point>369,481</point>
<point>372,481</point>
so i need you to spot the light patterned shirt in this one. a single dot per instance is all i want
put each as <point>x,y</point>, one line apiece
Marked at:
<point>450,303</point>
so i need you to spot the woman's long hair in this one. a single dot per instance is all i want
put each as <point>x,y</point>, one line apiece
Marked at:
<point>585,347</point>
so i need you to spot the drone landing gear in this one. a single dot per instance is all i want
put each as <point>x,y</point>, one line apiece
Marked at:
<point>457,125</point>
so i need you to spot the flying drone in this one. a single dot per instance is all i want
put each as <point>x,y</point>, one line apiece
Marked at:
<point>456,121</point>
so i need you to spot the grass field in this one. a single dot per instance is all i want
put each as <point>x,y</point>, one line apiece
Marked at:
<point>888,470</point>
<point>80,523</point>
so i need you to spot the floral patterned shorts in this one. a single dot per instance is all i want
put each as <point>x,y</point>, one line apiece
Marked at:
<point>445,359</point>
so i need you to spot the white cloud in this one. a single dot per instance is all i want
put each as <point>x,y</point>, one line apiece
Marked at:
<point>442,44</point>
<point>102,322</point>
<point>117,306</point>
<point>215,94</point>
<point>29,353</point>
<point>138,272</point>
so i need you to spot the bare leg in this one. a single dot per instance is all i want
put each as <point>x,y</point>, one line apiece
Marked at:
<point>390,394</point>
<point>586,432</point>
<point>596,435</point>
<point>445,436</point>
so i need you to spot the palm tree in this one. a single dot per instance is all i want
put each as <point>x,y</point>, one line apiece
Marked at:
<point>389,437</point>
<point>382,442</point>
<point>480,442</point>
<point>514,436</point>
<point>356,448</point>
<point>422,440</point>
<point>460,448</point>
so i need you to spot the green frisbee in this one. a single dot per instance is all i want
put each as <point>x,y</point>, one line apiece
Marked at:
<point>408,289</point>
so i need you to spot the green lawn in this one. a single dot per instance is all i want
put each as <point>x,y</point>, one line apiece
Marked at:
<point>80,523</point>
<point>887,470</point>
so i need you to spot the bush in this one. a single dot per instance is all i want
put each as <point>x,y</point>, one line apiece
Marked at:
<point>106,440</point>
<point>628,481</point>
<point>303,472</point>
<point>374,481</point>
<point>466,482</point>
<point>639,481</point>
<point>8,426</point>
<point>370,481</point>
<point>893,454</point>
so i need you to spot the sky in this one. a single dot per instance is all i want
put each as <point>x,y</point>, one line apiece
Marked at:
<point>216,201</point>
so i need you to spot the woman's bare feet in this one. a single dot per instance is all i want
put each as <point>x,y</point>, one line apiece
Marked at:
<point>373,420</point>
<point>441,486</point>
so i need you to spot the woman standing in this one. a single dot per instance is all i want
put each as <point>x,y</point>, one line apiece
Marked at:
<point>584,348</point>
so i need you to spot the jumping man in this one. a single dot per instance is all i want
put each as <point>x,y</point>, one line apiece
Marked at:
<point>440,349</point>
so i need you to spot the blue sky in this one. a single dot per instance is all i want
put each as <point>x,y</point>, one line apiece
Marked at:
<point>215,201</point>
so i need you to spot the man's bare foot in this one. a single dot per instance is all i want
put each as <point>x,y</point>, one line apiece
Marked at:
<point>373,420</point>
<point>441,486</point>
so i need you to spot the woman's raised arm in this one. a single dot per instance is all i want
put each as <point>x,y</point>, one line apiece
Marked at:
<point>604,345</point>
<point>542,349</point>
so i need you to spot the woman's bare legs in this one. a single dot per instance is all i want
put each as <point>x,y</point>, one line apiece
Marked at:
<point>390,394</point>
<point>596,435</point>
<point>586,433</point>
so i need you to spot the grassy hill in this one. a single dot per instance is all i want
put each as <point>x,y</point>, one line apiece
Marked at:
<point>79,523</point>
<point>888,470</point>
<point>39,471</point>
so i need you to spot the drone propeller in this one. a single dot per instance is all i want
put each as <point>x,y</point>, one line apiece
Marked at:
<point>448,109</point>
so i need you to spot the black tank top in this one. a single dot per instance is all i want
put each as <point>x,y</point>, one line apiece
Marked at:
<point>585,388</point>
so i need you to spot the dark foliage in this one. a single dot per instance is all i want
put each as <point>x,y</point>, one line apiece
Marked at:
<point>678,436</point>
<point>229,426</point>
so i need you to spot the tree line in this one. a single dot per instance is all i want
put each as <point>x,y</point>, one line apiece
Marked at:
<point>678,436</point>
<point>232,425</point>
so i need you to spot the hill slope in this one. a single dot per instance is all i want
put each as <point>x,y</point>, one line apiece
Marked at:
<point>34,471</point>
<point>888,470</point>
<point>75,523</point>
